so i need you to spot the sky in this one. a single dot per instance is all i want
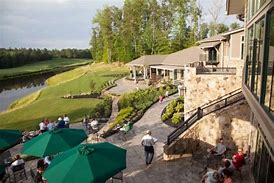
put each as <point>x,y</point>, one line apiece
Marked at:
<point>58,23</point>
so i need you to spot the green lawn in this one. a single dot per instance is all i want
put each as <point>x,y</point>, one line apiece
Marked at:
<point>50,104</point>
<point>53,64</point>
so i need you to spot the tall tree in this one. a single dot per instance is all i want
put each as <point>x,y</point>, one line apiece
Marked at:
<point>214,11</point>
<point>234,26</point>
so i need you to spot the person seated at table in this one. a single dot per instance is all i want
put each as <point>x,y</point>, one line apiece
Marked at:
<point>42,126</point>
<point>219,149</point>
<point>50,125</point>
<point>66,119</point>
<point>227,176</point>
<point>211,177</point>
<point>47,160</point>
<point>94,124</point>
<point>26,136</point>
<point>17,161</point>
<point>38,177</point>
<point>41,164</point>
<point>226,166</point>
<point>61,123</point>
<point>238,160</point>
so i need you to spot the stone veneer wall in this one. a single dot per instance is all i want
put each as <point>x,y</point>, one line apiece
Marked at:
<point>231,123</point>
<point>201,89</point>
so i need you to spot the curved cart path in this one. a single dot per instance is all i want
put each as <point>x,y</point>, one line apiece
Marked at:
<point>159,171</point>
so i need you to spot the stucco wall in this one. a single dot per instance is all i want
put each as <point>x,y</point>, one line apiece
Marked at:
<point>201,89</point>
<point>235,45</point>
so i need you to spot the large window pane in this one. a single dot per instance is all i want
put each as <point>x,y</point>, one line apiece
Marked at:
<point>259,41</point>
<point>249,56</point>
<point>269,98</point>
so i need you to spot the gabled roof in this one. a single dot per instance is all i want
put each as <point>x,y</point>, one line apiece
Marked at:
<point>218,37</point>
<point>209,44</point>
<point>233,31</point>
<point>183,57</point>
<point>147,60</point>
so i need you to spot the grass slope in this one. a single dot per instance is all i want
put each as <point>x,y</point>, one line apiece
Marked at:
<point>42,66</point>
<point>50,104</point>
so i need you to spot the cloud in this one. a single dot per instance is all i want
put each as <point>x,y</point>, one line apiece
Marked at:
<point>48,23</point>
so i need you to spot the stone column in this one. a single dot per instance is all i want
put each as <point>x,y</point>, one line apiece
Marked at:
<point>145,72</point>
<point>173,76</point>
<point>134,72</point>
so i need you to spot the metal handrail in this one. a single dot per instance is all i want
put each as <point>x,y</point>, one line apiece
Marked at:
<point>217,99</point>
<point>203,111</point>
<point>216,70</point>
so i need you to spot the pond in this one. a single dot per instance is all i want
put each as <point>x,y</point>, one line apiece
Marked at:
<point>15,88</point>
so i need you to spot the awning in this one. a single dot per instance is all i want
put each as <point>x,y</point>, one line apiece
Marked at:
<point>167,67</point>
<point>209,44</point>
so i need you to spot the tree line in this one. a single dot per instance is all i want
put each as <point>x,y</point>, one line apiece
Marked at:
<point>15,57</point>
<point>146,27</point>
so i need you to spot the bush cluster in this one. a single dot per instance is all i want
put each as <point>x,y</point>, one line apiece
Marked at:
<point>173,110</point>
<point>102,109</point>
<point>137,102</point>
<point>123,116</point>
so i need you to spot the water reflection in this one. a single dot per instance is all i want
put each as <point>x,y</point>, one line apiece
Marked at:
<point>13,89</point>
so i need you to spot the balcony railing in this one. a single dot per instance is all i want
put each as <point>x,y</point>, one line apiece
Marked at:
<point>205,58</point>
<point>216,70</point>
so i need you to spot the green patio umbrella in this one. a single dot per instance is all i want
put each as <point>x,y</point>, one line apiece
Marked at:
<point>53,142</point>
<point>9,138</point>
<point>87,163</point>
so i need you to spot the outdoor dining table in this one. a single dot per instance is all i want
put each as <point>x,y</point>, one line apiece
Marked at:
<point>87,163</point>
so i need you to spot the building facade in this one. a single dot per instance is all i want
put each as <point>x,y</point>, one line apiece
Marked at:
<point>223,50</point>
<point>258,84</point>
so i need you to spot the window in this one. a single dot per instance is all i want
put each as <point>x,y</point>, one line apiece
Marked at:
<point>257,65</point>
<point>242,47</point>
<point>263,164</point>
<point>212,55</point>
<point>268,99</point>
<point>249,56</point>
<point>254,6</point>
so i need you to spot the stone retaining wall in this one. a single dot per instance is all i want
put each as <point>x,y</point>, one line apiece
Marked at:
<point>231,123</point>
<point>201,89</point>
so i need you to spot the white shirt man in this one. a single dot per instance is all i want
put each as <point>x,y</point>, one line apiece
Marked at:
<point>42,126</point>
<point>94,124</point>
<point>219,149</point>
<point>18,161</point>
<point>66,119</point>
<point>148,141</point>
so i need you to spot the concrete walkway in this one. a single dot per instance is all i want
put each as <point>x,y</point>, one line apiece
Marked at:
<point>125,86</point>
<point>160,171</point>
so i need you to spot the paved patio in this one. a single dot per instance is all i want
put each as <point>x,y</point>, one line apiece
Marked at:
<point>184,170</point>
<point>125,86</point>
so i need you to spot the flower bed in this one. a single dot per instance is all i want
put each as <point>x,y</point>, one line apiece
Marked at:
<point>172,114</point>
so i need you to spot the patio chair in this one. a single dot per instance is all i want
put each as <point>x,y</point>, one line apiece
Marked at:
<point>118,176</point>
<point>125,130</point>
<point>19,171</point>
<point>32,175</point>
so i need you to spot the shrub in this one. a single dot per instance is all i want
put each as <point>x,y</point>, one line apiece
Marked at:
<point>179,107</point>
<point>165,116</point>
<point>177,118</point>
<point>102,109</point>
<point>122,116</point>
<point>175,106</point>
